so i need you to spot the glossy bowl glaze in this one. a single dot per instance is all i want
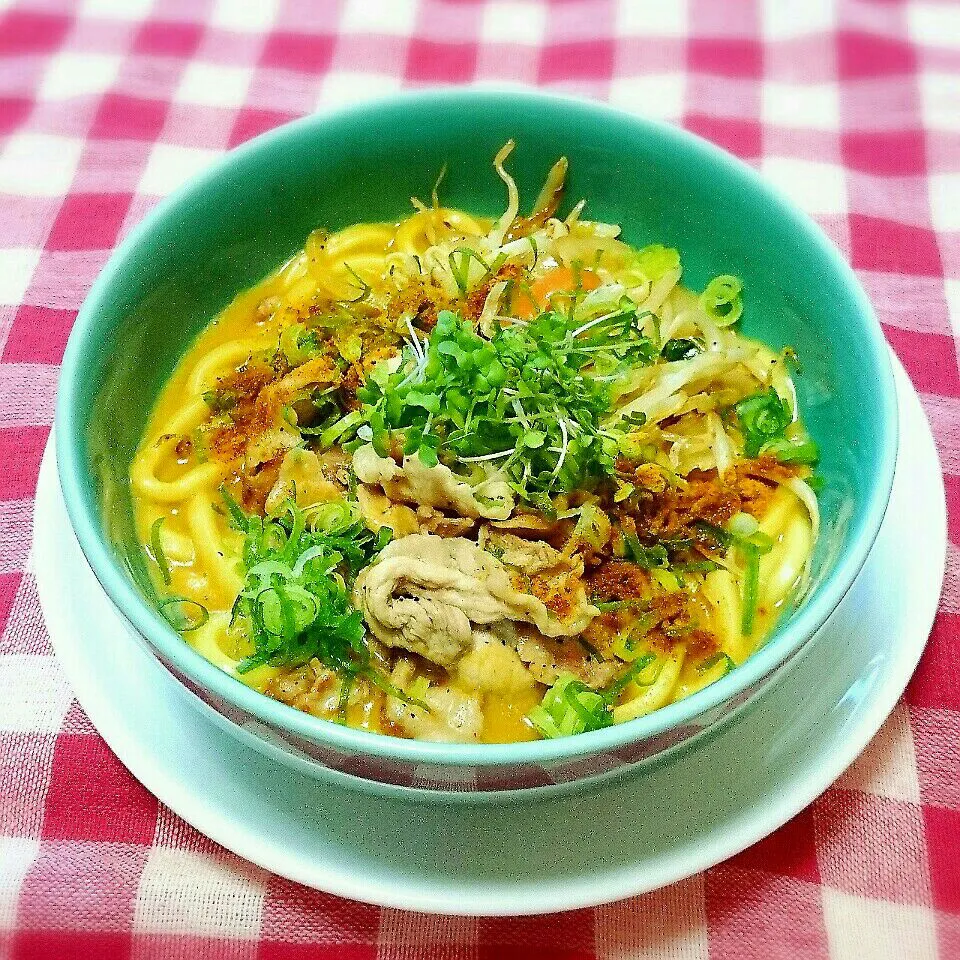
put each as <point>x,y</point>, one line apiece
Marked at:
<point>251,211</point>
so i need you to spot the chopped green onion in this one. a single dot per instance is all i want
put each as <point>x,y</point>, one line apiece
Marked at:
<point>722,300</point>
<point>346,685</point>
<point>297,344</point>
<point>295,603</point>
<point>364,287</point>
<point>724,658</point>
<point>391,690</point>
<point>624,645</point>
<point>632,675</point>
<point>792,450</point>
<point>649,558</point>
<point>667,579</point>
<point>717,535</point>
<point>743,525</point>
<point>570,707</point>
<point>696,566</point>
<point>236,516</point>
<point>156,547</point>
<point>762,541</point>
<point>184,614</point>
<point>461,272</point>
<point>329,434</point>
<point>680,349</point>
<point>656,260</point>
<point>350,347</point>
<point>751,580</point>
<point>763,417</point>
<point>419,687</point>
<point>219,401</point>
<point>608,606</point>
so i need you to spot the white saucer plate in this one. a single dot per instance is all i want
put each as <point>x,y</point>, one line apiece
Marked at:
<point>675,816</point>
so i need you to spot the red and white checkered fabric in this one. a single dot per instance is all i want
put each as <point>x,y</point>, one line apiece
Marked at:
<point>852,108</point>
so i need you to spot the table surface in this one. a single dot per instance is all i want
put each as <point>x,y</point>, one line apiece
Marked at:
<point>851,108</point>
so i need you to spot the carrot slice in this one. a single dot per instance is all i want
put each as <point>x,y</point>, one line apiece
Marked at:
<point>528,302</point>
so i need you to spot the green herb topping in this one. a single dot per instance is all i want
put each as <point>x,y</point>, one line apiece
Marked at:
<point>530,399</point>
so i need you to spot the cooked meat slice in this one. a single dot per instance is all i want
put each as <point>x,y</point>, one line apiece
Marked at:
<point>530,556</point>
<point>548,657</point>
<point>426,593</point>
<point>540,569</point>
<point>321,371</point>
<point>310,478</point>
<point>414,482</point>
<point>267,431</point>
<point>378,511</point>
<point>268,445</point>
<point>534,524</point>
<point>492,666</point>
<point>453,717</point>
<point>433,521</point>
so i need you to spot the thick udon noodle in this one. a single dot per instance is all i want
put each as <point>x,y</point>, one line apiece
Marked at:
<point>683,414</point>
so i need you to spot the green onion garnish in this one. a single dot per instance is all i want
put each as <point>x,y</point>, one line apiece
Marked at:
<point>184,614</point>
<point>751,579</point>
<point>724,658</point>
<point>656,260</point>
<point>461,271</point>
<point>650,558</point>
<point>570,706</point>
<point>156,547</point>
<point>792,450</point>
<point>362,285</point>
<point>295,603</point>
<point>722,300</point>
<point>680,349</point>
<point>763,419</point>
<point>763,416</point>
<point>716,535</point>
<point>632,675</point>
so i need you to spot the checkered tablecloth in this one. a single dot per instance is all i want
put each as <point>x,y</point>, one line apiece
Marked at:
<point>850,108</point>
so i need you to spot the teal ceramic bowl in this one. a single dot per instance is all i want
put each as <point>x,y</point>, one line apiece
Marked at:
<point>233,225</point>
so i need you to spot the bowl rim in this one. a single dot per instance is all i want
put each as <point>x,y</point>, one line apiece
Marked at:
<point>785,642</point>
